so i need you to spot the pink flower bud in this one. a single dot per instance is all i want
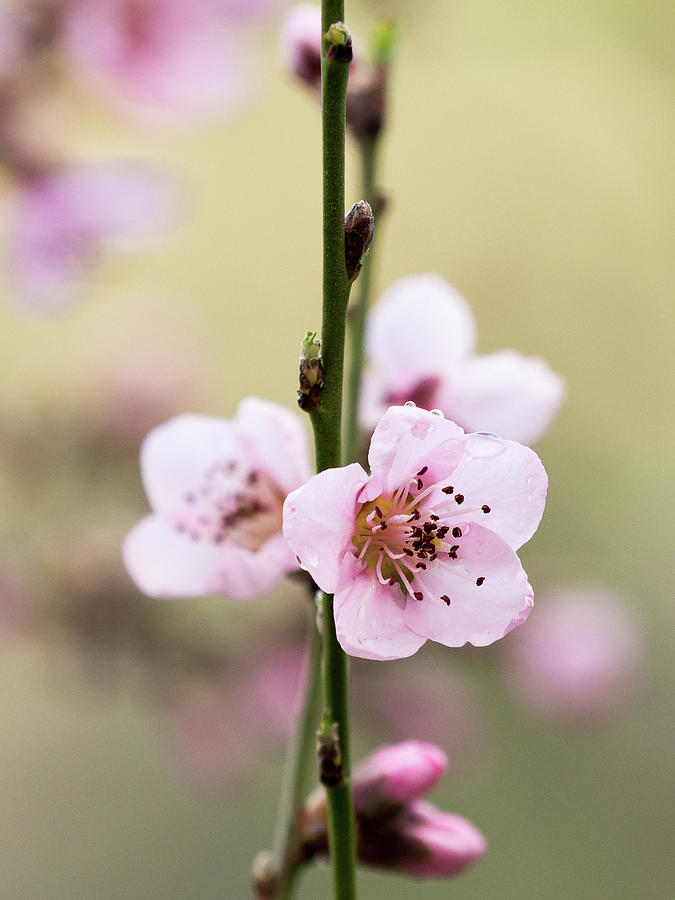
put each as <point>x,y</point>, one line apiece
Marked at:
<point>398,773</point>
<point>446,843</point>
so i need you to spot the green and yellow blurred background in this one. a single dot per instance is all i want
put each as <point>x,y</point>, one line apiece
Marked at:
<point>529,160</point>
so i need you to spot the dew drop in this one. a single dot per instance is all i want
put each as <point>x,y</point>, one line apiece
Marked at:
<point>410,403</point>
<point>437,412</point>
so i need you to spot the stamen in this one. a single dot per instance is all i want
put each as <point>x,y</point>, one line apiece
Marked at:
<point>485,508</point>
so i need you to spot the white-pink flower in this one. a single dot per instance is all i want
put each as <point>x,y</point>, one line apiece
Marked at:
<point>216,488</point>
<point>424,547</point>
<point>64,220</point>
<point>579,658</point>
<point>178,56</point>
<point>504,393</point>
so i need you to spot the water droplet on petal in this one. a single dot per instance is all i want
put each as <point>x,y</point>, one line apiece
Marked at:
<point>409,403</point>
<point>437,412</point>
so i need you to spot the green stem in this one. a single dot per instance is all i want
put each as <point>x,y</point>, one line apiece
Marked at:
<point>326,423</point>
<point>299,763</point>
<point>368,147</point>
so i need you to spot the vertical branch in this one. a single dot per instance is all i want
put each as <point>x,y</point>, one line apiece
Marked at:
<point>326,423</point>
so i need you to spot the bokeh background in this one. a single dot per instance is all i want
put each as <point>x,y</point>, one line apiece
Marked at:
<point>528,160</point>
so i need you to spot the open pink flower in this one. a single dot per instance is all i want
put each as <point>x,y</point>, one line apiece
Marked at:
<point>504,393</point>
<point>424,547</point>
<point>173,55</point>
<point>579,658</point>
<point>217,489</point>
<point>65,219</point>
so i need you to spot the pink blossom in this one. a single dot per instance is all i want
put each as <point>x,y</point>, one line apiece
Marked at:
<point>217,489</point>
<point>579,658</point>
<point>504,393</point>
<point>424,547</point>
<point>64,220</point>
<point>172,55</point>
<point>396,828</point>
<point>398,773</point>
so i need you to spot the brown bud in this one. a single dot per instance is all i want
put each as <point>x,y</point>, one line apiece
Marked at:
<point>330,758</point>
<point>359,229</point>
<point>311,373</point>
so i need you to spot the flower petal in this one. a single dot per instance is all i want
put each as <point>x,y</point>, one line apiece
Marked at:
<point>319,521</point>
<point>175,456</point>
<point>477,614</point>
<point>277,441</point>
<point>165,564</point>
<point>405,441</point>
<point>369,619</point>
<point>505,477</point>
<point>505,393</point>
<point>421,325</point>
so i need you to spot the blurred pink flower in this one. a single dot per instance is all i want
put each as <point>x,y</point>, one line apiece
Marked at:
<point>424,547</point>
<point>64,220</point>
<point>300,43</point>
<point>579,657</point>
<point>176,56</point>
<point>396,828</point>
<point>503,393</point>
<point>217,489</point>
<point>222,729</point>
<point>394,703</point>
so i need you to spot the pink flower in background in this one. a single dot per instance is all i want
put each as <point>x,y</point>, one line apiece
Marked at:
<point>424,547</point>
<point>64,220</point>
<point>217,489</point>
<point>300,43</point>
<point>435,365</point>
<point>580,656</point>
<point>396,828</point>
<point>404,698</point>
<point>221,729</point>
<point>178,56</point>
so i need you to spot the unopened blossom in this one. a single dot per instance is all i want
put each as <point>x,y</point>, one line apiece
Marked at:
<point>64,220</point>
<point>579,658</point>
<point>504,393</point>
<point>398,773</point>
<point>176,56</point>
<point>396,828</point>
<point>216,488</point>
<point>424,546</point>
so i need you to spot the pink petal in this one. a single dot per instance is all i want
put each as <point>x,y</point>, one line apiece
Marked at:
<point>505,393</point>
<point>478,615</point>
<point>507,478</point>
<point>451,841</point>
<point>405,441</point>
<point>175,456</point>
<point>165,564</point>
<point>369,618</point>
<point>319,521</point>
<point>398,773</point>
<point>420,326</point>
<point>276,440</point>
